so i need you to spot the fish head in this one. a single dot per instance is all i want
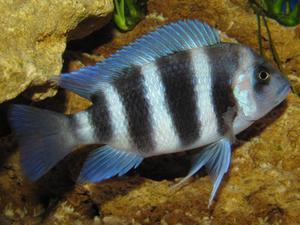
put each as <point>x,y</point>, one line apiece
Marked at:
<point>258,86</point>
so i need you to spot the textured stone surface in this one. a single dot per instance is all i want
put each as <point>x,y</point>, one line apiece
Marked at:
<point>33,37</point>
<point>263,184</point>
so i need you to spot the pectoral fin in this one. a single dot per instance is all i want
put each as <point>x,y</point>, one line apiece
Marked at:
<point>216,159</point>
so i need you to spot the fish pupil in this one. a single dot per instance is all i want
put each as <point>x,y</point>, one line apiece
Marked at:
<point>264,75</point>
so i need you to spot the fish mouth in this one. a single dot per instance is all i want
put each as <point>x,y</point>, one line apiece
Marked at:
<point>268,106</point>
<point>283,94</point>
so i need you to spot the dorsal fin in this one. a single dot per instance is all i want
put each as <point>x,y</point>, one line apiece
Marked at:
<point>174,37</point>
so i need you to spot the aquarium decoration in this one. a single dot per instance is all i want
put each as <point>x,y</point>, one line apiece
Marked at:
<point>128,13</point>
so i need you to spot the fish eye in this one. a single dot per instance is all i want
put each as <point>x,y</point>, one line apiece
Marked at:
<point>263,75</point>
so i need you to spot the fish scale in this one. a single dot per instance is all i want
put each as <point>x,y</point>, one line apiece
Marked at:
<point>177,75</point>
<point>131,90</point>
<point>164,132</point>
<point>101,118</point>
<point>174,89</point>
<point>222,72</point>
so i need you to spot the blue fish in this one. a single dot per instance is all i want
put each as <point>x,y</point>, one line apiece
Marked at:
<point>174,89</point>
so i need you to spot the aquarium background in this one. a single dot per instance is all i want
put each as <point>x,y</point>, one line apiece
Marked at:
<point>40,39</point>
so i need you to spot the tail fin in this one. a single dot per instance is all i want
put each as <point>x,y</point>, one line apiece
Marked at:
<point>44,138</point>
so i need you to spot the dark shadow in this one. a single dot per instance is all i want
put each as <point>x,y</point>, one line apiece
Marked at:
<point>61,179</point>
<point>167,167</point>
<point>93,41</point>
<point>88,44</point>
<point>4,126</point>
<point>56,103</point>
<point>8,146</point>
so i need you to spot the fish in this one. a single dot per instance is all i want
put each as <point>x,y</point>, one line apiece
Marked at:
<point>174,89</point>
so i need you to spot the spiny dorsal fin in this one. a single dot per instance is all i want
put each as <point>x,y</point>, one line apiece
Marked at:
<point>174,37</point>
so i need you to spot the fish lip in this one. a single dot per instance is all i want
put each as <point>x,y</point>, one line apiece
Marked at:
<point>283,94</point>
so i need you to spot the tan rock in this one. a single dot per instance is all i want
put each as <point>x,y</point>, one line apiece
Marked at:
<point>262,186</point>
<point>33,37</point>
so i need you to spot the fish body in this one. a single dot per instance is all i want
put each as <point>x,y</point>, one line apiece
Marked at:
<point>176,89</point>
<point>164,106</point>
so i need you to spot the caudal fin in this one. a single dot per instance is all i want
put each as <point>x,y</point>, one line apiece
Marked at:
<point>44,138</point>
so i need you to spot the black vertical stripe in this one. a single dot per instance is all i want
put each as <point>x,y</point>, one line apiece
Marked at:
<point>100,116</point>
<point>224,62</point>
<point>130,88</point>
<point>177,76</point>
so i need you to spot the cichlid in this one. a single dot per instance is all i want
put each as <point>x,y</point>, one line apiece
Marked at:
<point>174,89</point>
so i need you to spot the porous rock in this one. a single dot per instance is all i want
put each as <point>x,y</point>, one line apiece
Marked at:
<point>33,37</point>
<point>262,186</point>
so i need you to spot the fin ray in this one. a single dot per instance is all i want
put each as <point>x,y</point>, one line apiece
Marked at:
<point>216,159</point>
<point>106,162</point>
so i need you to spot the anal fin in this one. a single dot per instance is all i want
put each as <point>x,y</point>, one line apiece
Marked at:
<point>106,162</point>
<point>216,159</point>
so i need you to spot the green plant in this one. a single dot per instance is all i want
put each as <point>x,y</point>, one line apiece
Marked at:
<point>128,13</point>
<point>283,11</point>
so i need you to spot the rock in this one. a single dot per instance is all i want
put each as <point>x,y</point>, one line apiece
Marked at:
<point>262,186</point>
<point>33,38</point>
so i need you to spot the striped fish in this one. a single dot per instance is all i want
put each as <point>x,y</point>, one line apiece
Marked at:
<point>174,89</point>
